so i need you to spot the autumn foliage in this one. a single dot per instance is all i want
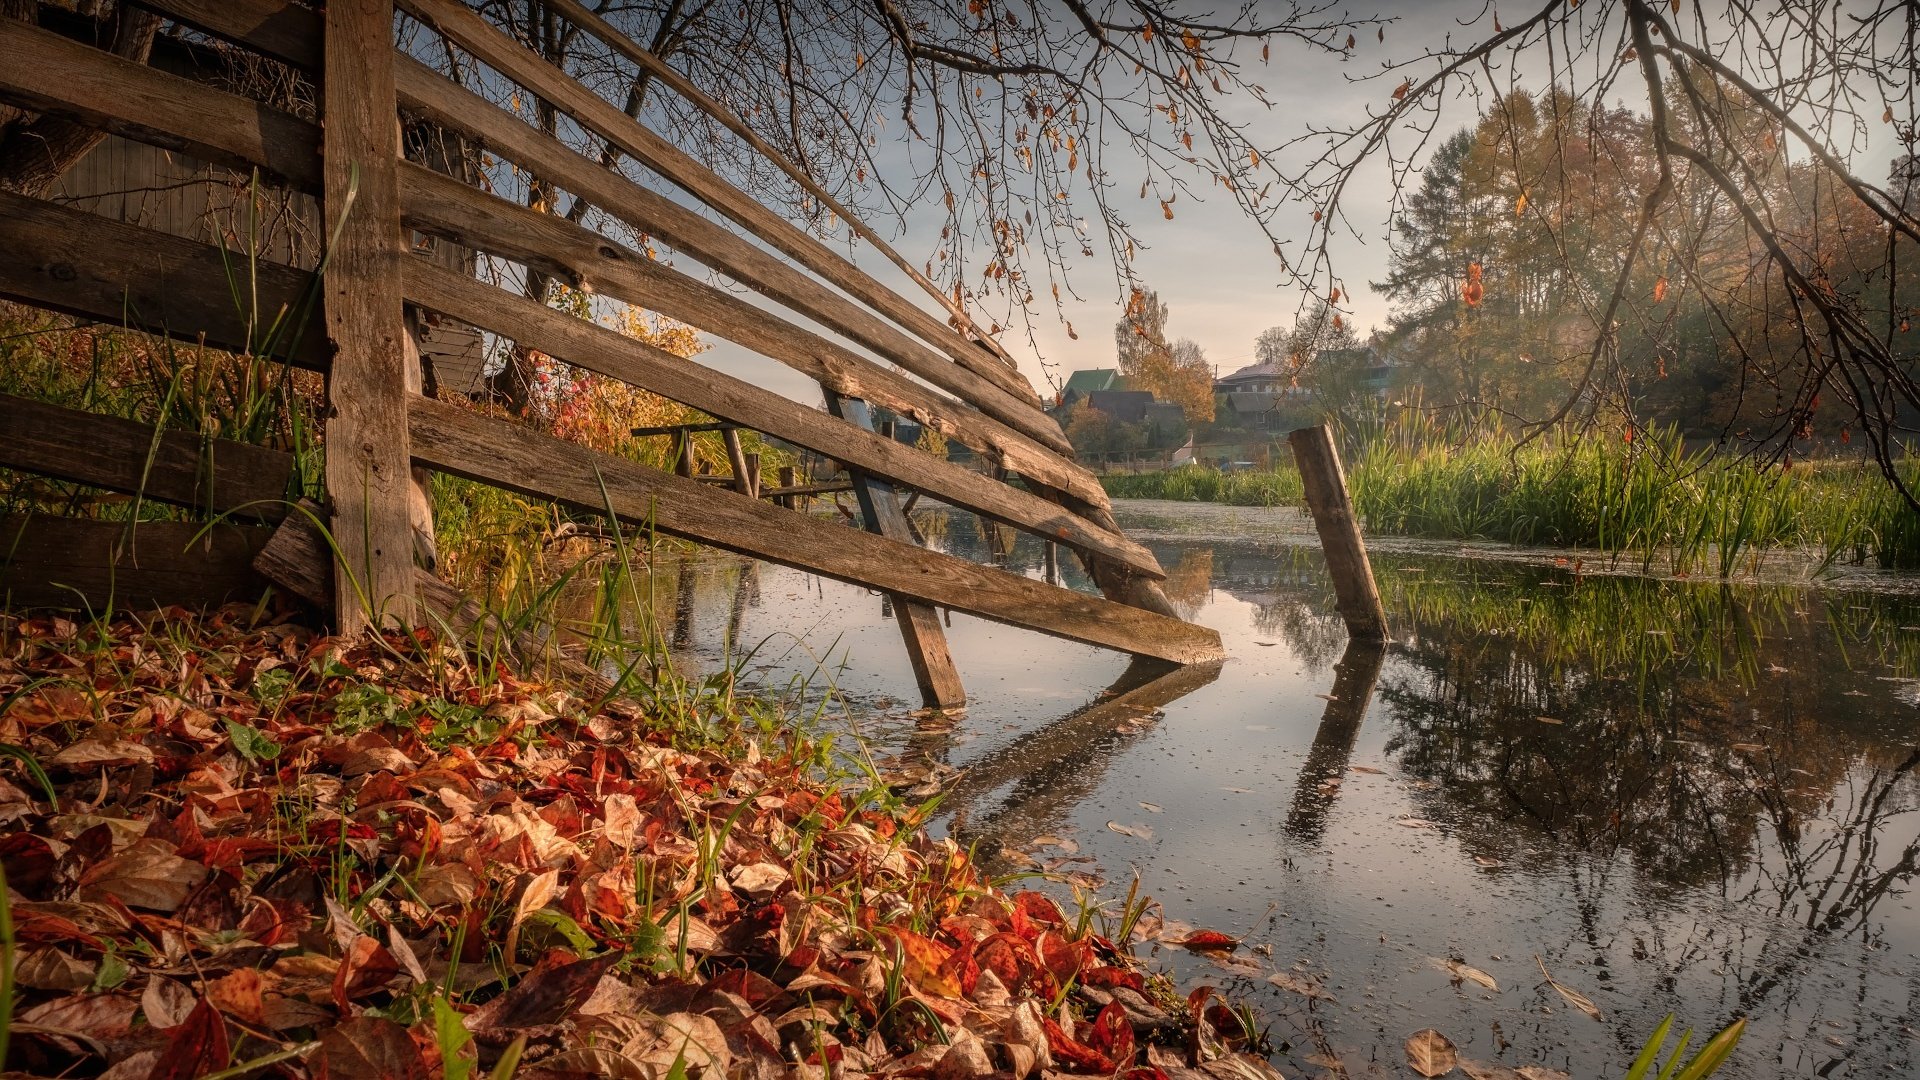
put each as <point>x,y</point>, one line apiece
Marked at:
<point>232,841</point>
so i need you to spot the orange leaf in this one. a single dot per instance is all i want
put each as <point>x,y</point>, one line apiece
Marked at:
<point>1660,290</point>
<point>1209,939</point>
<point>1520,205</point>
<point>1350,41</point>
<point>922,960</point>
<point>1401,91</point>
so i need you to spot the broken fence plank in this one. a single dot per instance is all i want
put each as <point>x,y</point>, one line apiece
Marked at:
<point>454,440</point>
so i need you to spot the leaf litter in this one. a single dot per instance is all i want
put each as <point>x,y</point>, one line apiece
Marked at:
<point>277,853</point>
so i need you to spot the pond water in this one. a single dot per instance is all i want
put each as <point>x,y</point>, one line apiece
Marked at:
<point>1673,796</point>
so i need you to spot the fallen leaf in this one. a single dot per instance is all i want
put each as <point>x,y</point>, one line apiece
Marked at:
<point>1295,984</point>
<point>1135,830</point>
<point>1430,1053</point>
<point>146,875</point>
<point>369,1048</point>
<point>196,1047</point>
<point>1209,939</point>
<point>1460,970</point>
<point>1573,997</point>
<point>1549,719</point>
<point>1152,808</point>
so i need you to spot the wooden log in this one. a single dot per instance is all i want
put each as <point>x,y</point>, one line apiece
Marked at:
<point>445,207</point>
<point>217,476</point>
<point>368,470</point>
<point>77,82</point>
<point>1325,483</point>
<point>452,439</point>
<point>84,265</point>
<point>920,629</point>
<point>797,491</point>
<point>1353,681</point>
<point>579,15</point>
<point>609,353</point>
<point>497,50</point>
<point>753,475</point>
<point>48,561</point>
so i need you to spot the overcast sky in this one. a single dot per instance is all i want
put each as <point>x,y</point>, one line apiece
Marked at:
<point>1215,271</point>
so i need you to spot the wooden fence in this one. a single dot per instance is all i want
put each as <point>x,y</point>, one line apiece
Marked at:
<point>382,432</point>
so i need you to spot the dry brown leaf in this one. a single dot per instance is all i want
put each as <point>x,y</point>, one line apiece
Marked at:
<point>1430,1053</point>
<point>146,875</point>
<point>1572,997</point>
<point>1306,987</point>
<point>1462,971</point>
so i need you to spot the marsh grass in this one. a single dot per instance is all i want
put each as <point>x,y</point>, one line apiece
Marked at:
<point>1651,500</point>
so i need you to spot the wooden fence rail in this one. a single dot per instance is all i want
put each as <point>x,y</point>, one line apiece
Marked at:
<point>863,342</point>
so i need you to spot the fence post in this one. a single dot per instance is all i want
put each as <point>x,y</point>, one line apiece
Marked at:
<point>368,470</point>
<point>1326,490</point>
<point>920,627</point>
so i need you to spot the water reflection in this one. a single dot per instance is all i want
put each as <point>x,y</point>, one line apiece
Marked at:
<point>1687,797</point>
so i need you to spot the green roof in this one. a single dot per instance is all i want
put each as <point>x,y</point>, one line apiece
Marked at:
<point>1087,380</point>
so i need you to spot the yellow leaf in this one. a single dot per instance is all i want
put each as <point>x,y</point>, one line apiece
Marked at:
<point>1254,157</point>
<point>1520,205</point>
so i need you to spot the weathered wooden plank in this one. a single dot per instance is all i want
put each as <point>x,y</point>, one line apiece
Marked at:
<point>215,475</point>
<point>67,79</point>
<point>920,629</point>
<point>84,265</point>
<point>48,561</point>
<point>444,103</point>
<point>286,32</point>
<point>443,206</point>
<point>368,471</point>
<point>497,50</point>
<point>617,356</point>
<point>926,326</point>
<point>1325,483</point>
<point>455,440</point>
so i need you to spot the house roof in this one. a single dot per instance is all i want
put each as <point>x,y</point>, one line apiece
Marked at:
<point>1087,380</point>
<point>1126,406</point>
<point>1255,373</point>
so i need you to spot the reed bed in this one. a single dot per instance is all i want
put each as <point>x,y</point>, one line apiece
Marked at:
<point>1689,512</point>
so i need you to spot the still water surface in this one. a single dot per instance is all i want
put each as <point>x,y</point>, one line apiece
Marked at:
<point>1674,796</point>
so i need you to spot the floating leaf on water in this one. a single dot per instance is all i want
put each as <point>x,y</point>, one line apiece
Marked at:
<point>1572,997</point>
<point>1153,808</point>
<point>1416,823</point>
<point>1430,1053</point>
<point>1296,984</point>
<point>1549,719</point>
<point>1135,830</point>
<point>1368,769</point>
<point>1487,861</point>
<point>1465,972</point>
<point>1209,939</point>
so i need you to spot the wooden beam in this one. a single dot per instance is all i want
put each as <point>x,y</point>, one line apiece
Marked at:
<point>615,355</point>
<point>579,15</point>
<point>286,32</point>
<point>455,440</point>
<point>48,561</point>
<point>369,482</point>
<point>920,629</point>
<point>78,82</point>
<point>678,429</point>
<point>500,52</point>
<point>178,467</point>
<point>85,265</point>
<point>445,103</point>
<point>1325,483</point>
<point>444,206</point>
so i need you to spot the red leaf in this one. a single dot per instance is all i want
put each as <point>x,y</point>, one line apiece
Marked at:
<point>1075,1054</point>
<point>1112,1034</point>
<point>369,1048</point>
<point>1210,939</point>
<point>195,1048</point>
<point>366,968</point>
<point>1108,977</point>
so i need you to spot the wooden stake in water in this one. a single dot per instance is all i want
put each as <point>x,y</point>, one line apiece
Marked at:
<point>1326,489</point>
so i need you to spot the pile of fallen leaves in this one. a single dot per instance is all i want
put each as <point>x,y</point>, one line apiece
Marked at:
<point>235,847</point>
